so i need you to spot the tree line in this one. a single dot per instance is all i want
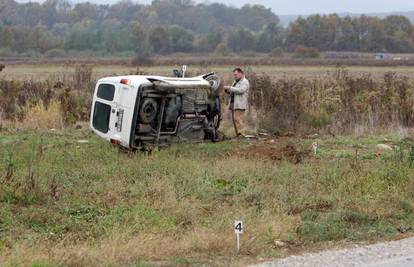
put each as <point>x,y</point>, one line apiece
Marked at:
<point>58,28</point>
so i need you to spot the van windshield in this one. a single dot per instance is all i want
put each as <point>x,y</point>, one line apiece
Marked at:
<point>101,115</point>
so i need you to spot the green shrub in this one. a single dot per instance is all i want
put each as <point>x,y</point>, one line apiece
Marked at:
<point>6,52</point>
<point>406,206</point>
<point>56,52</point>
<point>276,52</point>
<point>319,119</point>
<point>222,50</point>
<point>246,53</point>
<point>327,229</point>
<point>31,53</point>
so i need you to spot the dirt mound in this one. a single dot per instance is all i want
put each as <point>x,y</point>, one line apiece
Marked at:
<point>269,152</point>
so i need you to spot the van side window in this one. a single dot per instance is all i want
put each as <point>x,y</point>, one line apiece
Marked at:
<point>106,91</point>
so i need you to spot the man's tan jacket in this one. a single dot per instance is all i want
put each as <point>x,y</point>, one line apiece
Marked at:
<point>241,94</point>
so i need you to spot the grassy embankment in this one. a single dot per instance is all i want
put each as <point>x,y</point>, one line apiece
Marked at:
<point>65,203</point>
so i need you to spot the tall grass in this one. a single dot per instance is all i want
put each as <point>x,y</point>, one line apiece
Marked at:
<point>39,118</point>
<point>30,101</point>
<point>338,102</point>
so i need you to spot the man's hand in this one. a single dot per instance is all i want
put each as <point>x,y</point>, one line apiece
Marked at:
<point>227,89</point>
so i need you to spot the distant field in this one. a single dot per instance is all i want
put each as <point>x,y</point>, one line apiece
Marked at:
<point>46,71</point>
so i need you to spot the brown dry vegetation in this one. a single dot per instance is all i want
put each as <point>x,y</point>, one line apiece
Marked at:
<point>52,103</point>
<point>337,102</point>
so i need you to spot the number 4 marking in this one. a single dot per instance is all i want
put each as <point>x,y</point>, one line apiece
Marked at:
<point>238,227</point>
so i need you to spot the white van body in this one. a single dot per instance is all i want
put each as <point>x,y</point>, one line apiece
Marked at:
<point>118,116</point>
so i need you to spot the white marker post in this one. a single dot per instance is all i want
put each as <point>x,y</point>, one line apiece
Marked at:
<point>315,148</point>
<point>238,229</point>
<point>184,69</point>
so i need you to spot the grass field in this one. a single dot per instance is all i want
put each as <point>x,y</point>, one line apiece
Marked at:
<point>46,71</point>
<point>70,203</point>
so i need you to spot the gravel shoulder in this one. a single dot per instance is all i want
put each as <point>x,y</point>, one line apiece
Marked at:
<point>391,254</point>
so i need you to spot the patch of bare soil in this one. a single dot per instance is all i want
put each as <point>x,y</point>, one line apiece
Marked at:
<point>273,152</point>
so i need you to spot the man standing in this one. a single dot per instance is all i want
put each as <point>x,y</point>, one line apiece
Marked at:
<point>239,93</point>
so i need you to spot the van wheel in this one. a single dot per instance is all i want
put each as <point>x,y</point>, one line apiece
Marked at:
<point>148,111</point>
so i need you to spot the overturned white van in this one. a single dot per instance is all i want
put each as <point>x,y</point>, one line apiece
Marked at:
<point>136,111</point>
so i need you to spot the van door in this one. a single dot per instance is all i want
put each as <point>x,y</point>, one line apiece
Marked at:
<point>113,111</point>
<point>103,113</point>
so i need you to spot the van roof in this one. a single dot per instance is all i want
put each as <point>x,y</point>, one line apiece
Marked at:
<point>136,80</point>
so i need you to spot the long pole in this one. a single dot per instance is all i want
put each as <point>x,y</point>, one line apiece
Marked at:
<point>238,242</point>
<point>232,117</point>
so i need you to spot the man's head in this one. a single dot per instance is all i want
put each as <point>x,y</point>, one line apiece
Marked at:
<point>238,74</point>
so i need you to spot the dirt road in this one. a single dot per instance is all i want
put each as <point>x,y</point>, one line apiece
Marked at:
<point>390,254</point>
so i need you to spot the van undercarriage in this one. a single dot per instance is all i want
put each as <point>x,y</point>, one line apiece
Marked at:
<point>165,115</point>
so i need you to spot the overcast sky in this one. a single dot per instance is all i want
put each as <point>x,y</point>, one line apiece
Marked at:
<point>283,7</point>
